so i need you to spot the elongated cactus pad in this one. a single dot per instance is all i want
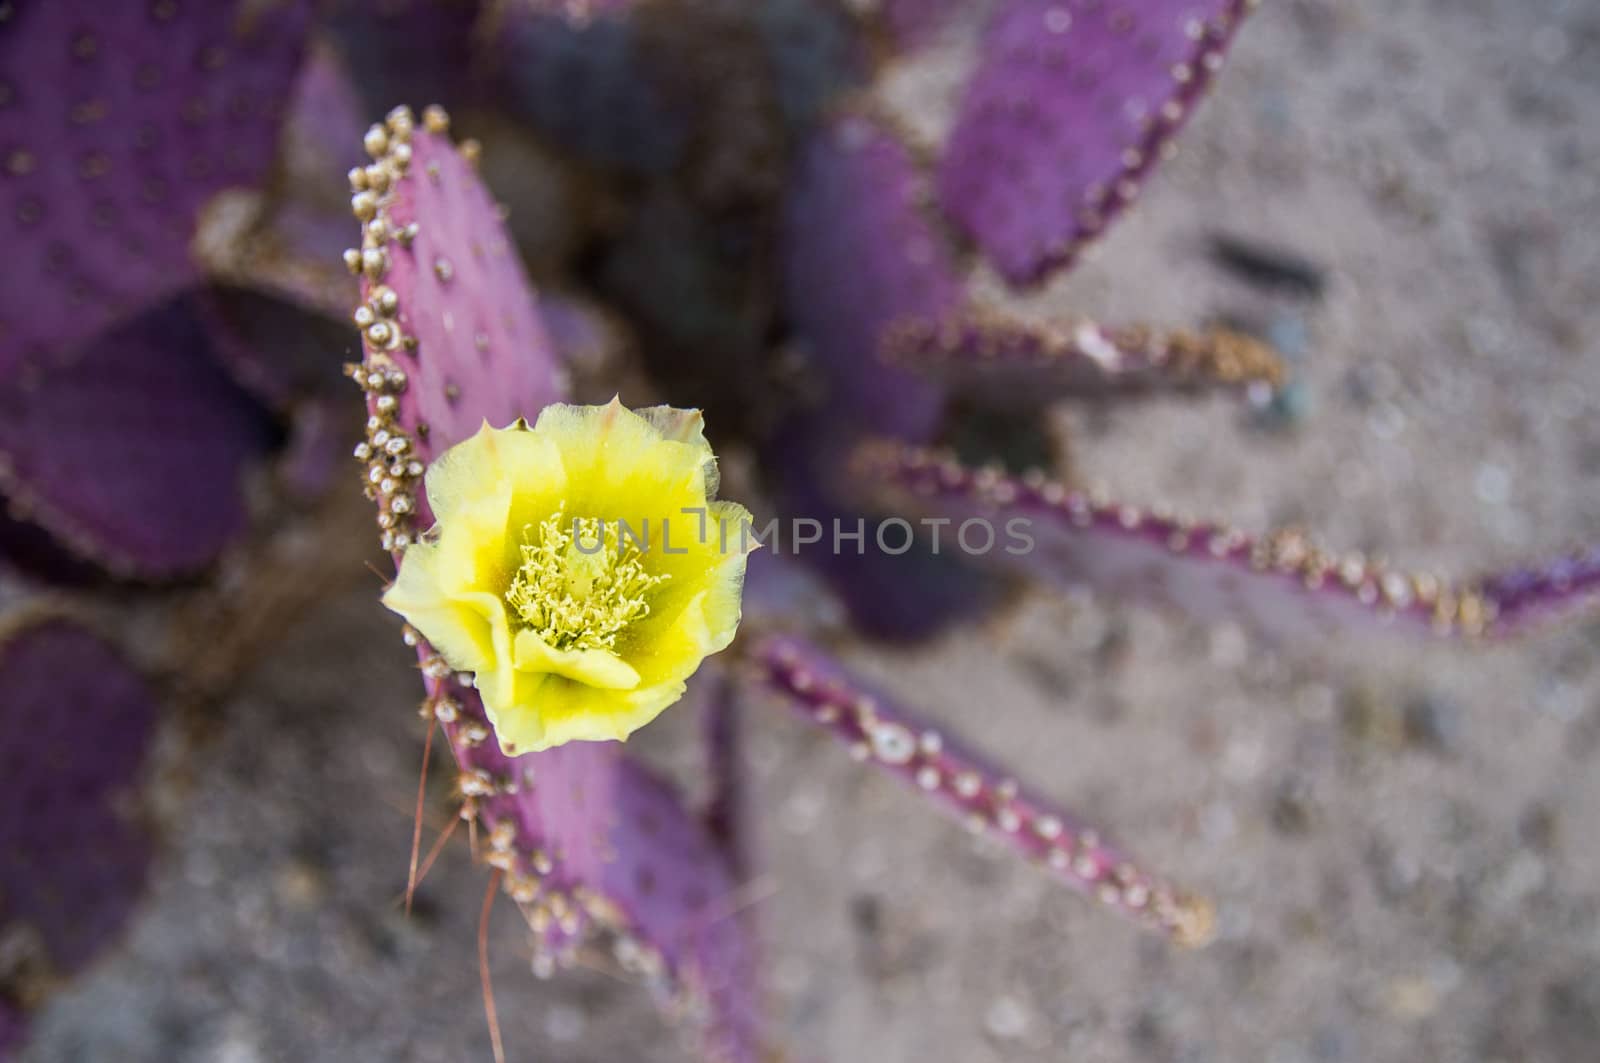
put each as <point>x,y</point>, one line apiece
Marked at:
<point>133,454</point>
<point>586,838</point>
<point>77,722</point>
<point>863,253</point>
<point>1283,585</point>
<point>891,738</point>
<point>1072,105</point>
<point>118,123</point>
<point>984,354</point>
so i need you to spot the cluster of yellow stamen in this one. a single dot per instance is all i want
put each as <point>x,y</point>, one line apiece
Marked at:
<point>575,590</point>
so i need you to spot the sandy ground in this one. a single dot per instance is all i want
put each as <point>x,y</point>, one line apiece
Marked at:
<point>1399,838</point>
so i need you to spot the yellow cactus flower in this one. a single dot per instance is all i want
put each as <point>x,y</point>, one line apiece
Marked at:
<point>580,568</point>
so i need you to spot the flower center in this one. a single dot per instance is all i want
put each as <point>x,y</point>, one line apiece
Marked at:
<point>576,590</point>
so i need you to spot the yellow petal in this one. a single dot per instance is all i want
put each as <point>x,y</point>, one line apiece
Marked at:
<point>653,470</point>
<point>457,629</point>
<point>621,466</point>
<point>570,712</point>
<point>493,460</point>
<point>598,668</point>
<point>509,698</point>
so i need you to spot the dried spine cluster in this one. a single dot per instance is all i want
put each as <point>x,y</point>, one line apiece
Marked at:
<point>392,473</point>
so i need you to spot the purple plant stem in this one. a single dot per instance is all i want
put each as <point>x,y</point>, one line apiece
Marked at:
<point>887,736</point>
<point>1072,106</point>
<point>1282,585</point>
<point>983,353</point>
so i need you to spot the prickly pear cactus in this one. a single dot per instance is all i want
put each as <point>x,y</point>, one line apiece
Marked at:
<point>587,840</point>
<point>859,197</point>
<point>78,723</point>
<point>123,129</point>
<point>1070,108</point>
<point>119,124</point>
<point>81,444</point>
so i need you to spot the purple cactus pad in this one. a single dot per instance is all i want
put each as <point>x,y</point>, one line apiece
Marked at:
<point>77,721</point>
<point>118,124</point>
<point>1072,105</point>
<point>862,254</point>
<point>133,454</point>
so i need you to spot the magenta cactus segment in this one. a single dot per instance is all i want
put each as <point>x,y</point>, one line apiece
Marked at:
<point>1071,107</point>
<point>984,354</point>
<point>862,254</point>
<point>78,722</point>
<point>887,736</point>
<point>118,124</point>
<point>1283,585</point>
<point>133,455</point>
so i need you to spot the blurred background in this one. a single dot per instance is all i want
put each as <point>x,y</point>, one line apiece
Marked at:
<point>1399,196</point>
